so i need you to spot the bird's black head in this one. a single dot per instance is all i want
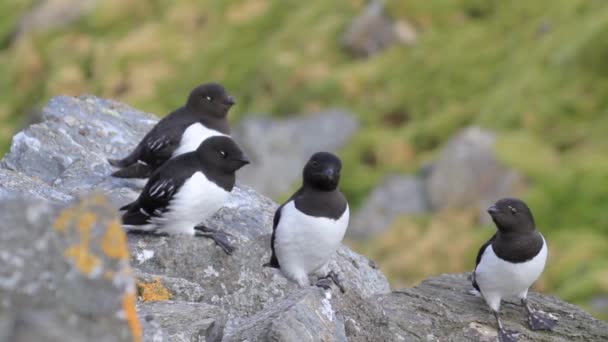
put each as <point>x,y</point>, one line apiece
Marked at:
<point>512,215</point>
<point>322,171</point>
<point>210,99</point>
<point>222,153</point>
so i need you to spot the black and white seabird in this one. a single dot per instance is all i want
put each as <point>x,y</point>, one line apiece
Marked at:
<point>203,116</point>
<point>510,262</point>
<point>186,190</point>
<point>309,227</point>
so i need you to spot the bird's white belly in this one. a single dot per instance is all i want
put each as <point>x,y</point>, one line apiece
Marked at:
<point>499,279</point>
<point>304,244</point>
<point>197,199</point>
<point>193,136</point>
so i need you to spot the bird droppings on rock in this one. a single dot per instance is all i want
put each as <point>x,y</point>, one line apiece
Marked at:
<point>144,256</point>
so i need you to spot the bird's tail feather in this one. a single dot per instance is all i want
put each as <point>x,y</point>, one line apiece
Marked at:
<point>128,160</point>
<point>137,170</point>
<point>134,217</point>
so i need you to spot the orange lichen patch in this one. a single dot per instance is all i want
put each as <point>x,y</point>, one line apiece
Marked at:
<point>85,222</point>
<point>83,259</point>
<point>108,275</point>
<point>153,292</point>
<point>128,307</point>
<point>97,199</point>
<point>62,222</point>
<point>114,241</point>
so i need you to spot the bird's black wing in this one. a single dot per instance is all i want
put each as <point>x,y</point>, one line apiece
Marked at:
<point>158,145</point>
<point>274,262</point>
<point>156,196</point>
<point>478,259</point>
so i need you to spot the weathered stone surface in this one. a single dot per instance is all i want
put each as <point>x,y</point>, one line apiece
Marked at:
<point>440,309</point>
<point>189,290</point>
<point>65,275</point>
<point>304,315</point>
<point>373,31</point>
<point>468,173</point>
<point>68,150</point>
<point>396,196</point>
<point>181,321</point>
<point>286,145</point>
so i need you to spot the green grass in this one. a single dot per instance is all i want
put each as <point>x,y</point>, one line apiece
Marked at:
<point>535,72</point>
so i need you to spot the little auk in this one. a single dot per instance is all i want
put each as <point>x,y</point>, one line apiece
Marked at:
<point>187,189</point>
<point>309,227</point>
<point>203,116</point>
<point>510,262</point>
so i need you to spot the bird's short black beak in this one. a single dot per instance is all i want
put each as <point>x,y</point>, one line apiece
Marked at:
<point>330,173</point>
<point>230,101</point>
<point>492,209</point>
<point>244,160</point>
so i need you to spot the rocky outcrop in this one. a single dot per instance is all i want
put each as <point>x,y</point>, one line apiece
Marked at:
<point>64,273</point>
<point>285,145</point>
<point>374,31</point>
<point>52,14</point>
<point>396,196</point>
<point>468,173</point>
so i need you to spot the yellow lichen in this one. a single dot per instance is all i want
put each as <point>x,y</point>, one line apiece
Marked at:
<point>153,292</point>
<point>62,222</point>
<point>114,242</point>
<point>108,275</point>
<point>128,307</point>
<point>85,222</point>
<point>82,258</point>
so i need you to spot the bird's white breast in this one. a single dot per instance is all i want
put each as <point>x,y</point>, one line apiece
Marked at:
<point>304,244</point>
<point>197,199</point>
<point>498,278</point>
<point>193,136</point>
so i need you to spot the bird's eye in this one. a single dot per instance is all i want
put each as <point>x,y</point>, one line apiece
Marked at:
<point>315,163</point>
<point>223,154</point>
<point>208,98</point>
<point>513,210</point>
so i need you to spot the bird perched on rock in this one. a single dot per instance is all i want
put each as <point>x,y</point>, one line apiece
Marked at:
<point>186,190</point>
<point>309,227</point>
<point>203,116</point>
<point>510,262</point>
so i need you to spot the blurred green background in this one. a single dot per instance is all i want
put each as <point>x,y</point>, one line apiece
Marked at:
<point>534,72</point>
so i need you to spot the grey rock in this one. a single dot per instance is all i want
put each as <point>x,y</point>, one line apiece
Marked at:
<point>440,309</point>
<point>68,150</point>
<point>64,275</point>
<point>468,174</point>
<point>204,294</point>
<point>304,315</point>
<point>52,14</point>
<point>373,31</point>
<point>14,183</point>
<point>397,196</point>
<point>181,321</point>
<point>286,145</point>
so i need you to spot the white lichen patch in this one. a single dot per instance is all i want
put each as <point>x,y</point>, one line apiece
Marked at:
<point>326,308</point>
<point>144,256</point>
<point>483,329</point>
<point>210,272</point>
